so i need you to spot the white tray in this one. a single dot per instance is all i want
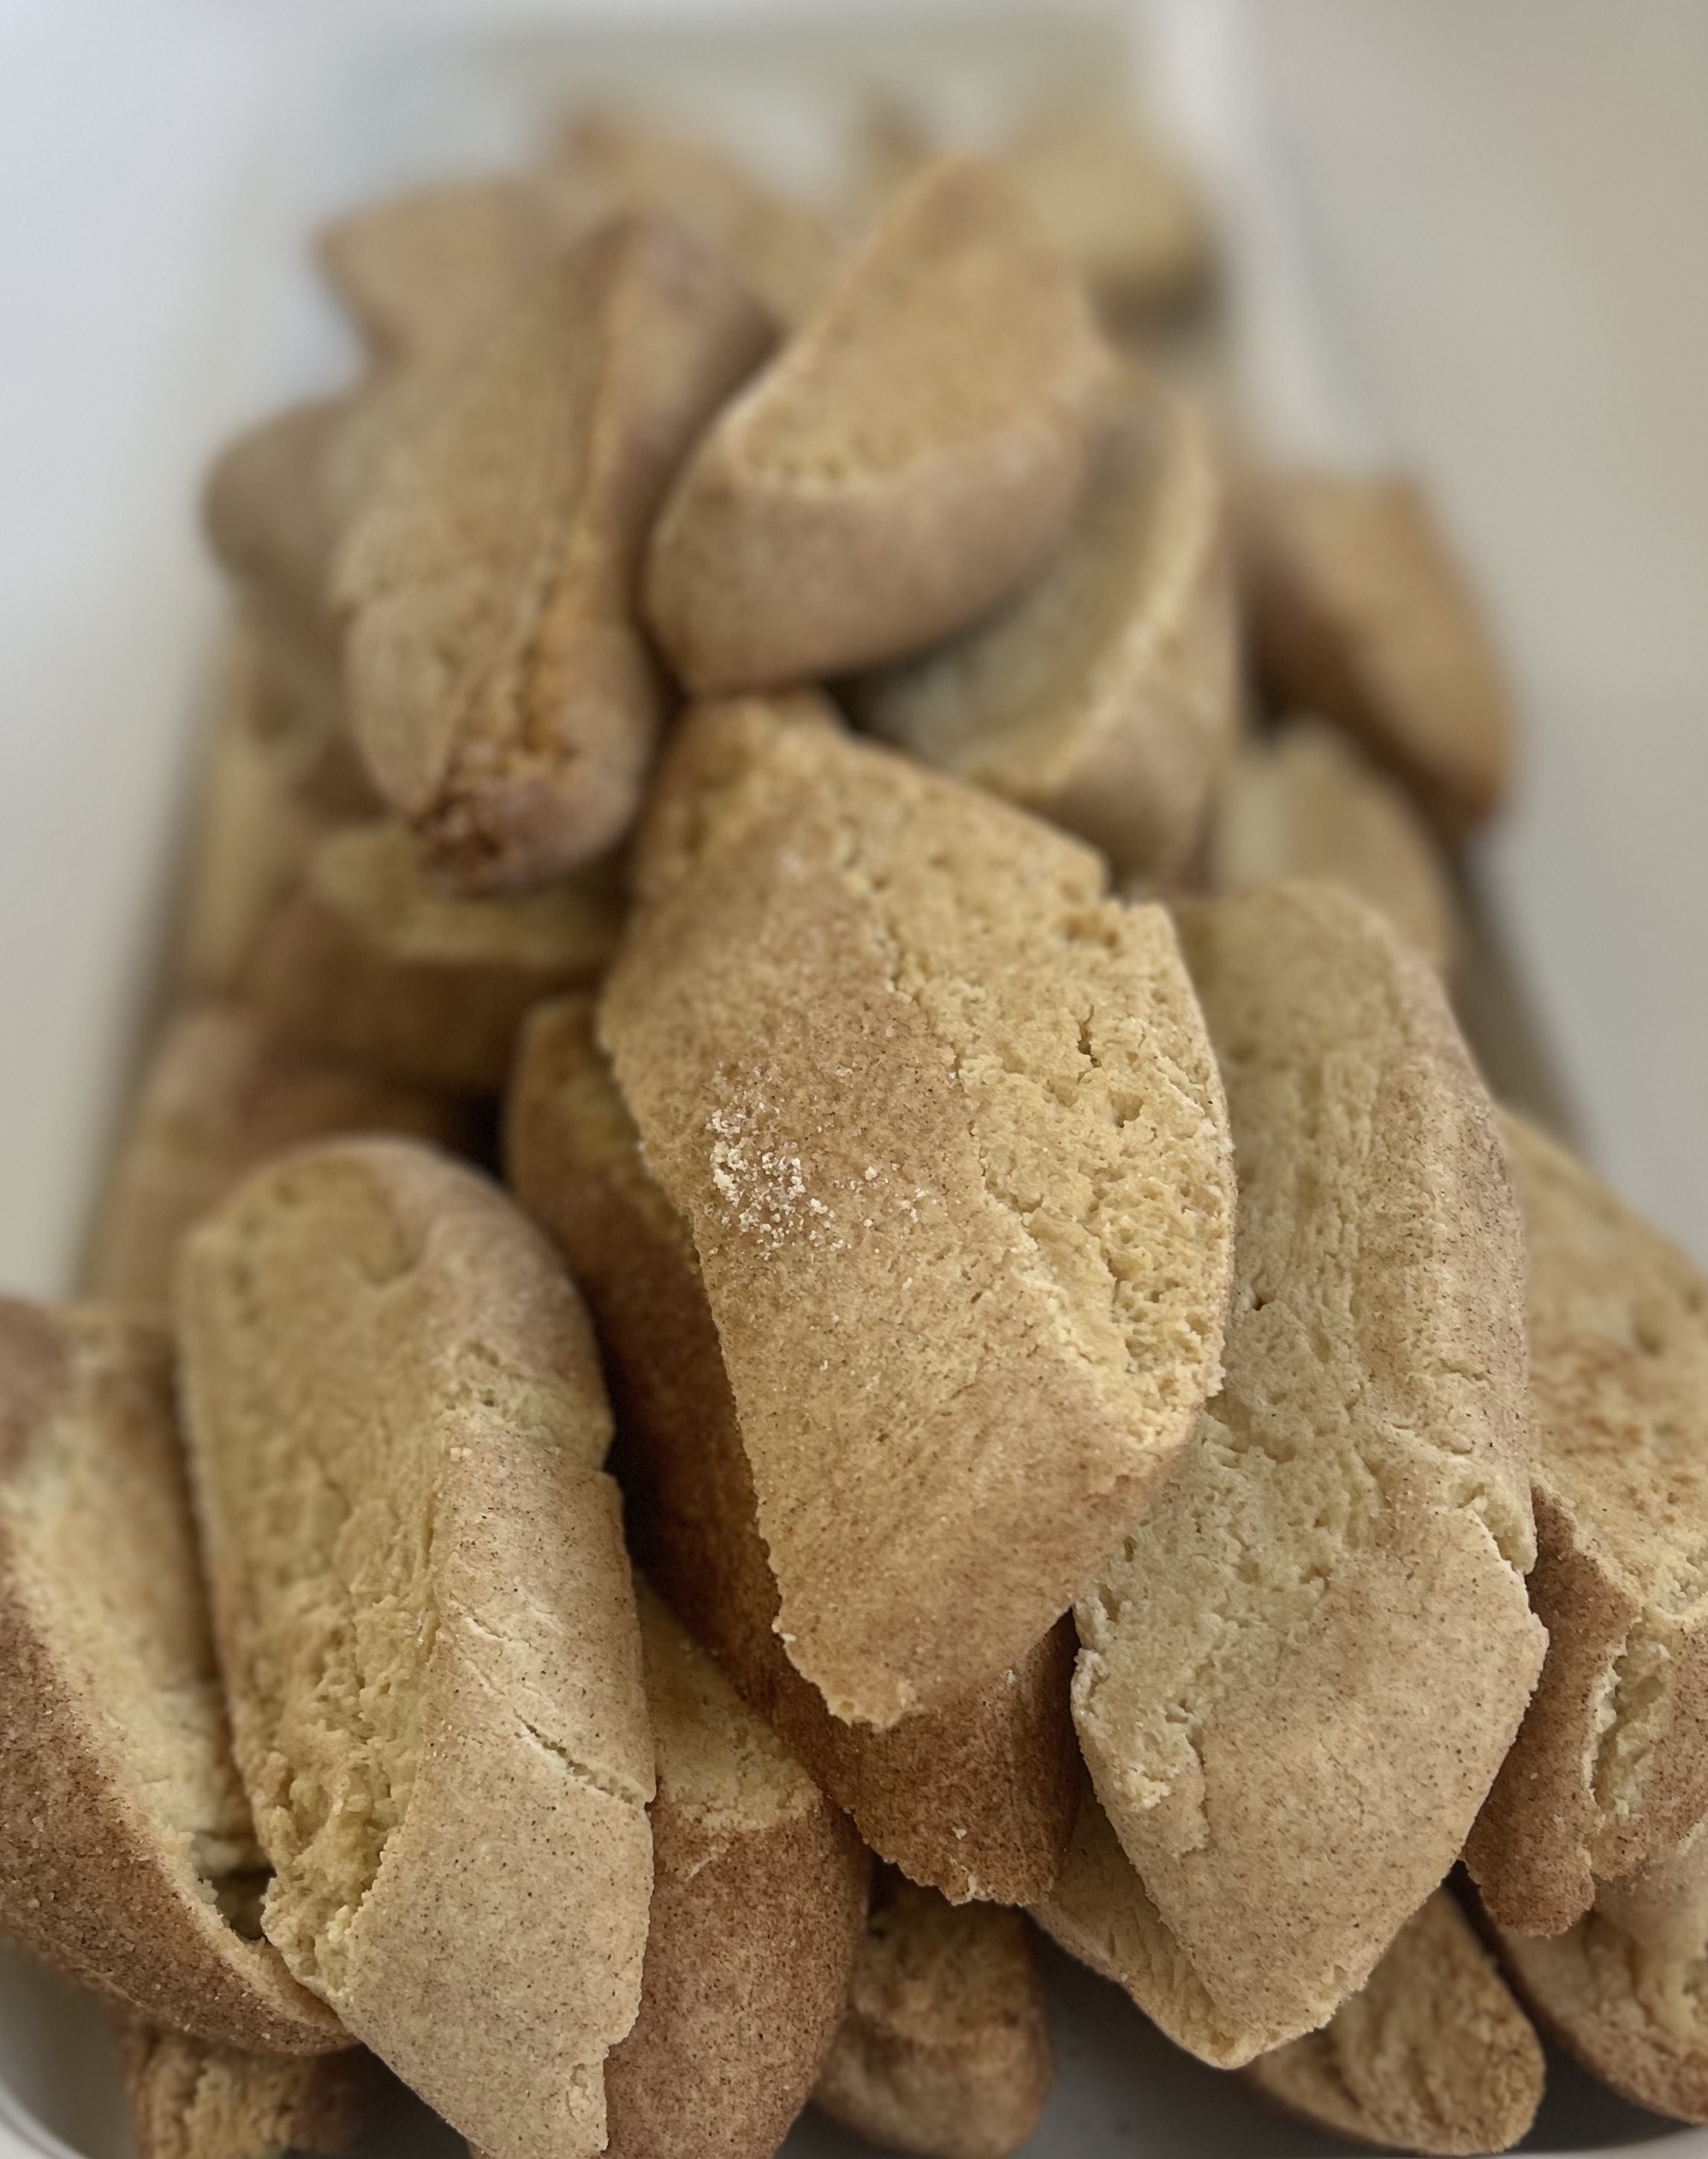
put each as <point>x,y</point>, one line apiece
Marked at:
<point>226,138</point>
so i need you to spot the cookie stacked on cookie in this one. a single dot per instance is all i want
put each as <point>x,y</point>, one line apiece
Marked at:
<point>812,1272</point>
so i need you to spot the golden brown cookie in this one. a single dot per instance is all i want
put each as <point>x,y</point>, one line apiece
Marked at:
<point>127,1855</point>
<point>426,1626</point>
<point>501,690</point>
<point>190,2099</point>
<point>976,1798</point>
<point>914,453</point>
<point>1119,205</point>
<point>1431,2053</point>
<point>1305,802</point>
<point>1622,1988</point>
<point>1299,1674</point>
<point>613,162</point>
<point>217,1098</point>
<point>1103,696</point>
<point>758,1902</point>
<point>1358,611</point>
<point>1100,1912</point>
<point>944,2048</point>
<point>367,963</point>
<point>949,1139</point>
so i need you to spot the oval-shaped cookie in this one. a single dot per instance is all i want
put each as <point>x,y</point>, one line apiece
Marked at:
<point>425,1618</point>
<point>1300,1672</point>
<point>758,1902</point>
<point>976,1798</point>
<point>945,1127</point>
<point>914,451</point>
<point>944,2048</point>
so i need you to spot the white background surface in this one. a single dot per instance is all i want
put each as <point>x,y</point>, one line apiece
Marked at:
<point>1500,210</point>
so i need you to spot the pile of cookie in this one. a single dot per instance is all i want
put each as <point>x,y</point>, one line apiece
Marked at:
<point>811,1271</point>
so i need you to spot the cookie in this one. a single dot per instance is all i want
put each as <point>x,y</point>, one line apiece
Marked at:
<point>613,162</point>
<point>1622,1988</point>
<point>976,1800</point>
<point>758,1905</point>
<point>949,1139</point>
<point>1305,802</point>
<point>1358,611</point>
<point>1299,1674</point>
<point>914,453</point>
<point>1100,1912</point>
<point>1431,2053</point>
<point>944,2046</point>
<point>1610,1767</point>
<point>128,1854</point>
<point>217,1098</point>
<point>1104,697</point>
<point>426,1623</point>
<point>501,690</point>
<point>190,2099</point>
<point>367,963</point>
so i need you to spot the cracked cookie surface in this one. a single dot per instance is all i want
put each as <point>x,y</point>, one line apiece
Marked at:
<point>426,1625</point>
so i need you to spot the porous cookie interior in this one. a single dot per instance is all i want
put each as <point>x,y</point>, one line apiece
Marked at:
<point>719,1764</point>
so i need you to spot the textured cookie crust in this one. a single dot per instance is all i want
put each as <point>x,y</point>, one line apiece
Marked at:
<point>976,1798</point>
<point>1301,1673</point>
<point>1610,1767</point>
<point>192,2100</point>
<point>1431,2053</point>
<point>501,690</point>
<point>425,1620</point>
<point>217,1099</point>
<point>915,452</point>
<point>758,1904</point>
<point>1304,802</point>
<point>1358,611</point>
<point>128,1856</point>
<point>945,2049</point>
<point>1105,696</point>
<point>367,963</point>
<point>951,1141</point>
